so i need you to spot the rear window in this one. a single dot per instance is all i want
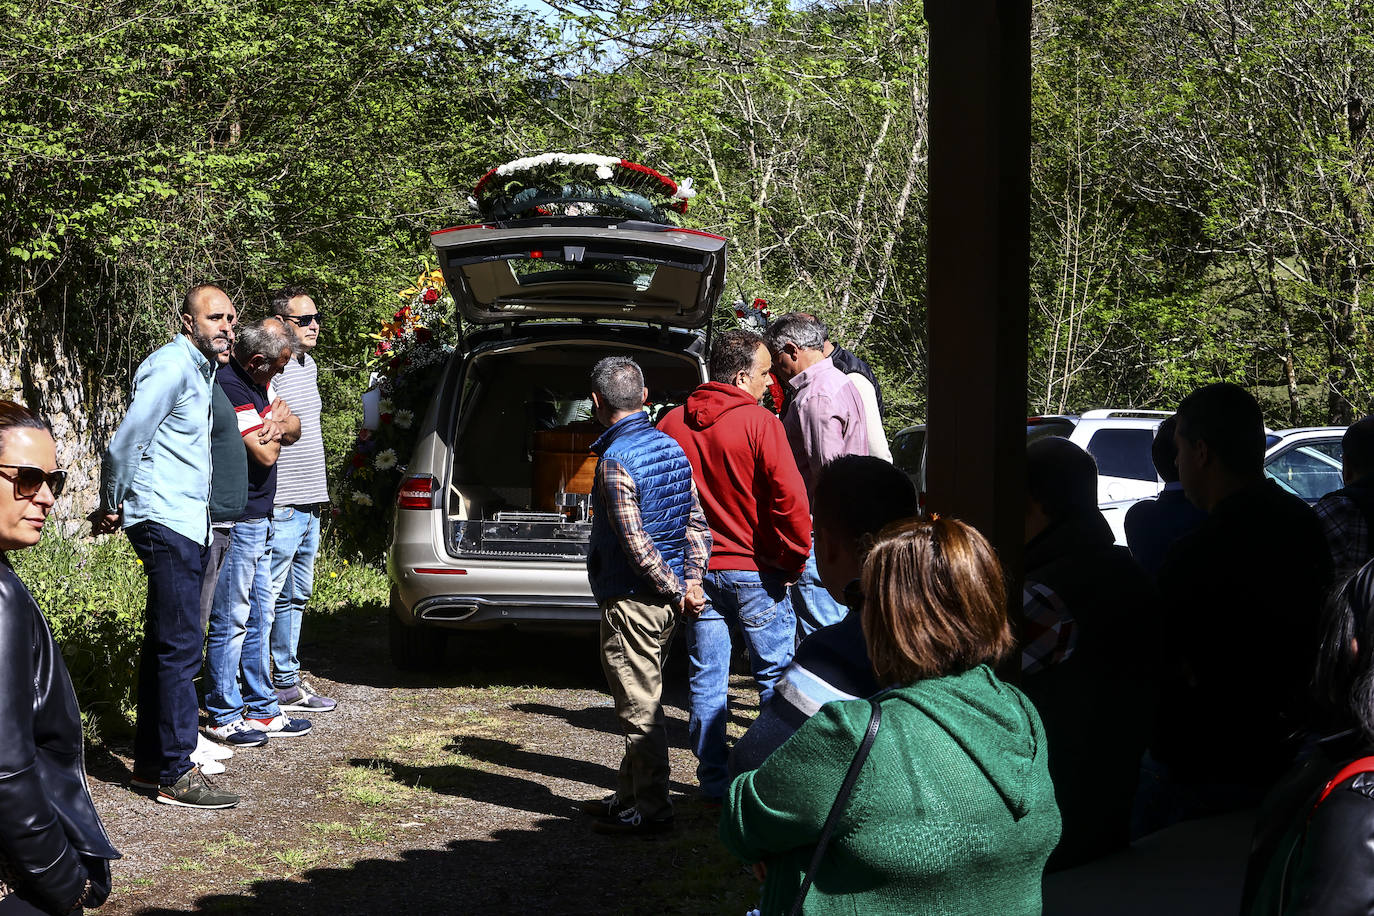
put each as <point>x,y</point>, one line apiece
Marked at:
<point>1123,453</point>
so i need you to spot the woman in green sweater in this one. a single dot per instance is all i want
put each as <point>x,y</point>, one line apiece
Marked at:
<point>953,811</point>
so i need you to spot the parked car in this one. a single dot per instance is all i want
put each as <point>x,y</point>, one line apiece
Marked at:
<point>493,519</point>
<point>1305,461</point>
<point>1118,439</point>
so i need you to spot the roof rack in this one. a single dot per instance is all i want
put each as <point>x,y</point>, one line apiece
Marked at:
<point>1102,414</point>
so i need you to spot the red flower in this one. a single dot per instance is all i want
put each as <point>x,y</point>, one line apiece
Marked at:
<point>359,460</point>
<point>477,191</point>
<point>431,295</point>
<point>423,335</point>
<point>386,418</point>
<point>364,435</point>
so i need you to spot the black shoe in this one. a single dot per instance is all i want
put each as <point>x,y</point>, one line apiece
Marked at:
<point>608,807</point>
<point>631,823</point>
<point>193,790</point>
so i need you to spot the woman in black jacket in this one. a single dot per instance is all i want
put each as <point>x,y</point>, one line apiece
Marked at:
<point>54,852</point>
<point>1313,849</point>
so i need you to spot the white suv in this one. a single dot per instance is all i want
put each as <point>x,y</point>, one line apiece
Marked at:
<point>493,517</point>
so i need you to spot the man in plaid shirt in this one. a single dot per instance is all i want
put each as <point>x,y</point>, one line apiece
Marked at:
<point>649,546</point>
<point>1345,514</point>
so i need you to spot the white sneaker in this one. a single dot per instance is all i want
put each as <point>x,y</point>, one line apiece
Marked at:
<point>207,766</point>
<point>210,750</point>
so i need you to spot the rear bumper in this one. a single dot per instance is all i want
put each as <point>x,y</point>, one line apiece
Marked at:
<point>470,594</point>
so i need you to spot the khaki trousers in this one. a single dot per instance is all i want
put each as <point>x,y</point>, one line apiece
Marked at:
<point>634,642</point>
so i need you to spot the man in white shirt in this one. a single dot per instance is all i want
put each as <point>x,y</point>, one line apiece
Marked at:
<point>302,497</point>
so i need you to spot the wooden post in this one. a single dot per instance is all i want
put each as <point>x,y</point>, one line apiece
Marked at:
<point>978,263</point>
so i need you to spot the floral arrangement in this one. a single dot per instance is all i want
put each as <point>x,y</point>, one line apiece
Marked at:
<point>580,184</point>
<point>755,317</point>
<point>407,355</point>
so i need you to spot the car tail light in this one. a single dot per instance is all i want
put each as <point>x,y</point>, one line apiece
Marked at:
<point>418,492</point>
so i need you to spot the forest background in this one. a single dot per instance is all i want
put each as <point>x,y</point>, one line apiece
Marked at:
<point>1200,174</point>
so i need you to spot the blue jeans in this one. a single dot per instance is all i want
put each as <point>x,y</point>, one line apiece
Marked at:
<point>812,602</point>
<point>165,733</point>
<point>758,603</point>
<point>240,622</point>
<point>295,540</point>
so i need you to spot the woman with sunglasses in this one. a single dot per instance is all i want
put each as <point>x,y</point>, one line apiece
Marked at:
<point>953,811</point>
<point>54,852</point>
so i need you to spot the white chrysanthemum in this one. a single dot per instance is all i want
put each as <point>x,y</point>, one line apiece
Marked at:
<point>535,162</point>
<point>384,405</point>
<point>361,498</point>
<point>385,460</point>
<point>604,171</point>
<point>403,418</point>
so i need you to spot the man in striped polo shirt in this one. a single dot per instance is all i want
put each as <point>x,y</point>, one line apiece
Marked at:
<point>302,497</point>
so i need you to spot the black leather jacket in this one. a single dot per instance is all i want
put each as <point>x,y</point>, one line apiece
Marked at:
<point>51,838</point>
<point>1306,862</point>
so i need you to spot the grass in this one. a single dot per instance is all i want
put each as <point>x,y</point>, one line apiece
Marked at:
<point>374,783</point>
<point>93,592</point>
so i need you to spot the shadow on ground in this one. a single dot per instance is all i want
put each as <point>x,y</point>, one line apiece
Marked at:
<point>351,649</point>
<point>559,867</point>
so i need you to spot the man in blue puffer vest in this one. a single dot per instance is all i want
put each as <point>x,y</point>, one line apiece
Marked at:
<point>649,546</point>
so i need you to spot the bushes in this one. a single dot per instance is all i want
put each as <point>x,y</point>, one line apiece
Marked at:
<point>343,583</point>
<point>93,593</point>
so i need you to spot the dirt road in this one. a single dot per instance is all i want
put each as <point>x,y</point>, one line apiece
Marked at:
<point>444,794</point>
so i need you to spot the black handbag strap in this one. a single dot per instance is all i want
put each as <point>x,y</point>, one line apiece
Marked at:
<point>841,802</point>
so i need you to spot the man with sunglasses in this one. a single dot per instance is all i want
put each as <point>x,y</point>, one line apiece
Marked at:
<point>302,497</point>
<point>155,484</point>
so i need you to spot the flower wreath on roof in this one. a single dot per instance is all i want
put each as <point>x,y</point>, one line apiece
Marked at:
<point>580,184</point>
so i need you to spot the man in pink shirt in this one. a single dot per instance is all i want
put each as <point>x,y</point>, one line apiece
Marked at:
<point>824,419</point>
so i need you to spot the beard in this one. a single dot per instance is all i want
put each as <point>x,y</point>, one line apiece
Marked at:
<point>211,345</point>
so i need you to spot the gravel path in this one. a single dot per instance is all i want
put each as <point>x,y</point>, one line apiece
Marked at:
<point>446,794</point>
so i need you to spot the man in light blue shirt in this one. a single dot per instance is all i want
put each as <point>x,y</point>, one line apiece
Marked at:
<point>155,484</point>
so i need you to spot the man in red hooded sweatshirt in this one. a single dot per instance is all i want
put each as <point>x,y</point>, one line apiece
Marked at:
<point>755,501</point>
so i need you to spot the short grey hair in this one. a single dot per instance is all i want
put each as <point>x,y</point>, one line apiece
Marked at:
<point>798,329</point>
<point>266,337</point>
<point>619,382</point>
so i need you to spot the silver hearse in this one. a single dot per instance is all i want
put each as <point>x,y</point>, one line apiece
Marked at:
<point>493,517</point>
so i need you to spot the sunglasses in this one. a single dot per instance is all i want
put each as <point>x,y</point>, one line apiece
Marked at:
<point>28,480</point>
<point>303,320</point>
